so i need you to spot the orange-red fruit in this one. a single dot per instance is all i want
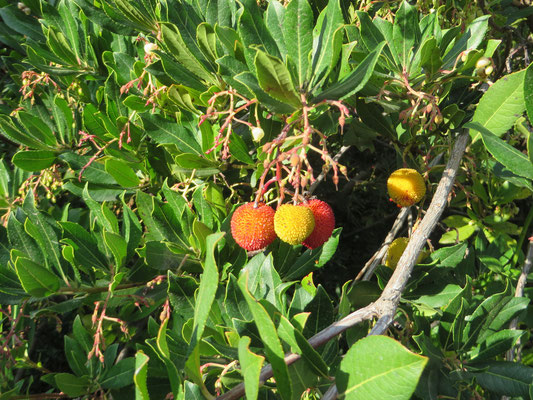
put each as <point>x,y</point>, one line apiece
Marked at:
<point>253,228</point>
<point>324,223</point>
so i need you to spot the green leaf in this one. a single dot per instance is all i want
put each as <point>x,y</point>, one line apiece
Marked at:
<point>13,133</point>
<point>275,22</point>
<point>120,375</point>
<point>140,375</point>
<point>297,30</point>
<point>327,41</point>
<point>37,129</point>
<point>490,317</point>
<point>405,32</point>
<point>94,172</point>
<point>471,39</point>
<point>496,344</point>
<point>207,289</point>
<point>300,345</point>
<point>514,160</point>
<point>85,246</point>
<point>274,78</point>
<point>123,174</point>
<point>269,336</point>
<point>118,247</point>
<point>371,37</point>
<point>20,240</point>
<point>164,131</point>
<point>254,33</point>
<point>250,83</point>
<point>355,81</point>
<point>501,105</point>
<point>239,149</point>
<point>136,103</point>
<point>379,364</point>
<point>251,365</point>
<point>45,235</point>
<point>35,279</point>
<point>503,378</point>
<point>72,385</point>
<point>322,313</point>
<point>528,93</point>
<point>173,41</point>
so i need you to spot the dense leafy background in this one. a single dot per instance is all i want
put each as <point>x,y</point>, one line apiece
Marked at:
<point>127,142</point>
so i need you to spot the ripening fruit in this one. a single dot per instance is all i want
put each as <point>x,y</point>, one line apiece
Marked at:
<point>406,187</point>
<point>396,250</point>
<point>293,224</point>
<point>150,47</point>
<point>324,223</point>
<point>253,228</point>
<point>483,62</point>
<point>257,133</point>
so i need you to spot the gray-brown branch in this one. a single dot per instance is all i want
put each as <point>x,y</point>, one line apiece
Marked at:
<point>385,307</point>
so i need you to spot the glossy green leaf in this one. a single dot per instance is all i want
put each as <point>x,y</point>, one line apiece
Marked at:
<point>496,344</point>
<point>140,376</point>
<point>379,364</point>
<point>355,81</point>
<point>405,33</point>
<point>275,22</point>
<point>122,172</point>
<point>164,131</point>
<point>45,233</point>
<point>300,345</point>
<point>516,161</point>
<point>503,378</point>
<point>501,105</point>
<point>327,41</point>
<point>528,93</point>
<point>251,365</point>
<point>470,39</point>
<point>20,240</point>
<point>297,30</point>
<point>120,374</point>
<point>85,246</point>
<point>269,336</point>
<point>118,247</point>
<point>72,385</point>
<point>176,46</point>
<point>13,133</point>
<point>254,33</point>
<point>208,287</point>
<point>274,78</point>
<point>34,160</point>
<point>35,279</point>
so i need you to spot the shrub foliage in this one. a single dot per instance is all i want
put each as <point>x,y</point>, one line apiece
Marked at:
<point>130,132</point>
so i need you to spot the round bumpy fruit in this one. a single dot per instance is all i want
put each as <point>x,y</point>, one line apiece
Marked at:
<point>253,228</point>
<point>406,187</point>
<point>293,224</point>
<point>324,223</point>
<point>396,250</point>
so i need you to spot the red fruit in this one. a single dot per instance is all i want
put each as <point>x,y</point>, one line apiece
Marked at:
<point>253,228</point>
<point>324,223</point>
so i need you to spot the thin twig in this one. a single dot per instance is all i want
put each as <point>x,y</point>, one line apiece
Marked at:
<point>519,292</point>
<point>385,306</point>
<point>322,175</point>
<point>369,268</point>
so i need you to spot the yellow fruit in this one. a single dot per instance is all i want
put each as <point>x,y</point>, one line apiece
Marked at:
<point>406,187</point>
<point>396,250</point>
<point>293,224</point>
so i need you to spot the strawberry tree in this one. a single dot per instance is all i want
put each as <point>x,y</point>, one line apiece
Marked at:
<point>194,199</point>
